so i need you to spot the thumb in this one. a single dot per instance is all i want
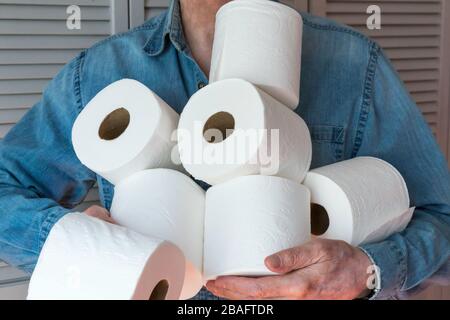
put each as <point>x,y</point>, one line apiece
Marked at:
<point>291,259</point>
<point>99,213</point>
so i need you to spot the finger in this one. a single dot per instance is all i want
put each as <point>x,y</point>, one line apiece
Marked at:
<point>296,258</point>
<point>95,211</point>
<point>231,295</point>
<point>108,218</point>
<point>258,288</point>
<point>224,293</point>
<point>99,213</point>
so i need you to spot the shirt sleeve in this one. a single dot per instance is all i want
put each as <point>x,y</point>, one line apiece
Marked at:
<point>41,178</point>
<point>395,131</point>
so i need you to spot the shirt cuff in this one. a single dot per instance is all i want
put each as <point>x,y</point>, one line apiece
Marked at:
<point>52,218</point>
<point>390,268</point>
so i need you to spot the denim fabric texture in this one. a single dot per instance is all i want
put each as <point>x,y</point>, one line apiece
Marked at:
<point>351,99</point>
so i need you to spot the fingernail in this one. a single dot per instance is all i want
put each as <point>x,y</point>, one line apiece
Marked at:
<point>274,261</point>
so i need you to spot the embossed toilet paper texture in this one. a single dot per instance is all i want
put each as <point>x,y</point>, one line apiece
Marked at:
<point>259,41</point>
<point>168,205</point>
<point>268,138</point>
<point>250,218</point>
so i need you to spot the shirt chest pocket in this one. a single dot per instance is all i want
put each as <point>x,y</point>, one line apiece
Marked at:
<point>327,143</point>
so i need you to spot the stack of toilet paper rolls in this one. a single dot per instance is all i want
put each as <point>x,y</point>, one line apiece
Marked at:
<point>240,135</point>
<point>123,131</point>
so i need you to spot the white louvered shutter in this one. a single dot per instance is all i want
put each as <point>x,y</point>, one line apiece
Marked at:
<point>13,283</point>
<point>34,45</point>
<point>155,7</point>
<point>411,35</point>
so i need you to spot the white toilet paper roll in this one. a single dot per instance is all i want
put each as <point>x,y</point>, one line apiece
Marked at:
<point>361,200</point>
<point>259,41</point>
<point>250,218</point>
<point>261,136</point>
<point>124,129</point>
<point>85,258</point>
<point>168,205</point>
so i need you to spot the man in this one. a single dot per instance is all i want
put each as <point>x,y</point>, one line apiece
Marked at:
<point>351,99</point>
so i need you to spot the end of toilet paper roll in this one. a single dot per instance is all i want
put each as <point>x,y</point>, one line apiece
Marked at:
<point>144,202</point>
<point>124,129</point>
<point>365,200</point>
<point>331,210</point>
<point>231,128</point>
<point>85,258</point>
<point>193,281</point>
<point>164,286</point>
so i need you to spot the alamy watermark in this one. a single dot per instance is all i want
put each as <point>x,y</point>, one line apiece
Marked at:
<point>73,21</point>
<point>373,272</point>
<point>259,147</point>
<point>374,19</point>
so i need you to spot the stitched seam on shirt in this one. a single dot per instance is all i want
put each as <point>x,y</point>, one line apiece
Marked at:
<point>48,224</point>
<point>366,98</point>
<point>327,134</point>
<point>107,194</point>
<point>338,152</point>
<point>339,135</point>
<point>45,230</point>
<point>401,275</point>
<point>77,81</point>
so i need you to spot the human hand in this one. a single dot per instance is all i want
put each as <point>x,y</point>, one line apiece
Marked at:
<point>100,213</point>
<point>320,269</point>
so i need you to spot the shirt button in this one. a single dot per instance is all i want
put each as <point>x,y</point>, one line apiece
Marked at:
<point>201,85</point>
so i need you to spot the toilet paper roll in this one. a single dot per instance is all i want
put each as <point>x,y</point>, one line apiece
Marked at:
<point>250,218</point>
<point>259,41</point>
<point>361,200</point>
<point>124,129</point>
<point>230,129</point>
<point>85,258</point>
<point>168,205</point>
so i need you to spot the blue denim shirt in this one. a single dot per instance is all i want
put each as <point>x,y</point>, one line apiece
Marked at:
<point>351,99</point>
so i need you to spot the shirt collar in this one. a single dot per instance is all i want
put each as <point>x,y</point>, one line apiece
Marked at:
<point>168,25</point>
